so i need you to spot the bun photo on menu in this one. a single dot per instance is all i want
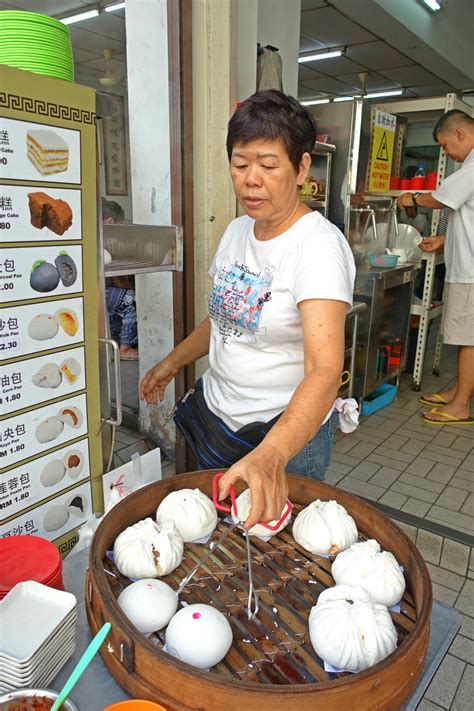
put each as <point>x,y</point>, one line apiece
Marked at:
<point>50,428</point>
<point>43,327</point>
<point>68,321</point>
<point>57,516</point>
<point>51,375</point>
<point>46,211</point>
<point>48,152</point>
<point>45,276</point>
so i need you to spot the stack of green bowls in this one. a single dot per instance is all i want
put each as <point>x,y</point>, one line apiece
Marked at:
<point>36,43</point>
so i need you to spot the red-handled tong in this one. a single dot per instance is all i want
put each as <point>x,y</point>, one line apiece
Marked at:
<point>233,508</point>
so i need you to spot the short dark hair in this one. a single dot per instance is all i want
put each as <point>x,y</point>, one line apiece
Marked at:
<point>450,120</point>
<point>272,114</point>
<point>111,209</point>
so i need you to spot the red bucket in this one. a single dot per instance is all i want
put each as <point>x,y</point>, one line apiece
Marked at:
<point>418,183</point>
<point>405,184</point>
<point>395,183</point>
<point>431,181</point>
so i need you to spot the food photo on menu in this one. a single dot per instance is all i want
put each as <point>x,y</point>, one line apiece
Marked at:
<point>52,427</point>
<point>51,375</point>
<point>45,276</point>
<point>46,211</point>
<point>48,152</point>
<point>58,515</point>
<point>43,327</point>
<point>71,465</point>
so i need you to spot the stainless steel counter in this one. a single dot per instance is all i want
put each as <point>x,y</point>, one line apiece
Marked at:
<point>388,295</point>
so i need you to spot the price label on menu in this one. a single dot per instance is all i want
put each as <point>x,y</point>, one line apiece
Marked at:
<point>35,215</point>
<point>38,272</point>
<point>34,151</point>
<point>30,382</point>
<point>54,518</point>
<point>30,483</point>
<point>39,430</point>
<point>38,327</point>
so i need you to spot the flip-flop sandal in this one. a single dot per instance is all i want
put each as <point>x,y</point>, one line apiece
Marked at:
<point>439,400</point>
<point>450,419</point>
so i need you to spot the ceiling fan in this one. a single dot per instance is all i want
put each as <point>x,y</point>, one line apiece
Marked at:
<point>112,75</point>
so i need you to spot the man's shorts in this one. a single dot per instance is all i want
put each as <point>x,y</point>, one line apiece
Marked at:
<point>458,315</point>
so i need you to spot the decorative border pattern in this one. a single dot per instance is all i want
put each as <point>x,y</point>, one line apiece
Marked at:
<point>67,546</point>
<point>46,108</point>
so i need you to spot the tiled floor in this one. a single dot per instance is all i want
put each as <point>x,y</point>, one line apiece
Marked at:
<point>426,473</point>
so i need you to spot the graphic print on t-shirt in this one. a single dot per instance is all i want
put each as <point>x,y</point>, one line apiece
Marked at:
<point>237,299</point>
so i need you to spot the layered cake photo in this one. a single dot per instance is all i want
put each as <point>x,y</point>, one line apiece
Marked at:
<point>48,152</point>
<point>46,211</point>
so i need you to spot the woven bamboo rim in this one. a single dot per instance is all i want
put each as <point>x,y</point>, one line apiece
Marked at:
<point>271,664</point>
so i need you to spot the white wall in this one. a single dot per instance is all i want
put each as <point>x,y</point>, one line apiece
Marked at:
<point>279,26</point>
<point>147,60</point>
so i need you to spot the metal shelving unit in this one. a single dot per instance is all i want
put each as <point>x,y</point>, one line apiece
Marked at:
<point>321,168</point>
<point>424,311</point>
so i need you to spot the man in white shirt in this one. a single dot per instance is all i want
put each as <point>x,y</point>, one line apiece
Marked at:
<point>455,133</point>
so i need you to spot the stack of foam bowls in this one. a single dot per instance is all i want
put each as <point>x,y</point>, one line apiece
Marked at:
<point>29,558</point>
<point>36,43</point>
<point>38,636</point>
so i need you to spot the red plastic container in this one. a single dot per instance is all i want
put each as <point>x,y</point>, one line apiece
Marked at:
<point>29,558</point>
<point>395,183</point>
<point>418,183</point>
<point>431,181</point>
<point>405,184</point>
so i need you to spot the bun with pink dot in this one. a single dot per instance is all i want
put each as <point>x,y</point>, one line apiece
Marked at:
<point>199,635</point>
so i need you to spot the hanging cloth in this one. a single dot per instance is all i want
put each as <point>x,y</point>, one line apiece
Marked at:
<point>269,70</point>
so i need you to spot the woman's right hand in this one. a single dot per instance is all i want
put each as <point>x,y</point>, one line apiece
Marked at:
<point>153,385</point>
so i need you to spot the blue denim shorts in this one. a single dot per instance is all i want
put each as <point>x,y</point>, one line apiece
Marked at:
<point>313,460</point>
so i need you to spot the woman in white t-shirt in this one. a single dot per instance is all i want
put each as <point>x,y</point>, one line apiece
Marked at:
<point>283,282</point>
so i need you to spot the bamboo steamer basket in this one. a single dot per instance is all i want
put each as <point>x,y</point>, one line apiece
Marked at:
<point>271,665</point>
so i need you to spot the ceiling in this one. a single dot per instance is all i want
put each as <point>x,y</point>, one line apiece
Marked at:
<point>323,26</point>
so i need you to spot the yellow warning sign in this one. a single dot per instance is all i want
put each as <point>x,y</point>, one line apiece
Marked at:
<point>382,151</point>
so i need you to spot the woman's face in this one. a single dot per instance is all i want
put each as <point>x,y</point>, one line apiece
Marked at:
<point>265,181</point>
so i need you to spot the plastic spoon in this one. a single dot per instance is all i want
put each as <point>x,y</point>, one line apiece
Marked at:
<point>82,665</point>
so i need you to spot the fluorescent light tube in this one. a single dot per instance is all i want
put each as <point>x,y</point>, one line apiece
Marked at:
<point>79,17</point>
<point>433,5</point>
<point>321,55</point>
<point>116,6</point>
<point>313,102</point>
<point>379,94</point>
<point>337,99</point>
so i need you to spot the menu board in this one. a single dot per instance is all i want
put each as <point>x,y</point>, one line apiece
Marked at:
<point>50,447</point>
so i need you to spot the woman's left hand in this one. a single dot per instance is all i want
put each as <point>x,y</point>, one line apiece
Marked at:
<point>264,471</point>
